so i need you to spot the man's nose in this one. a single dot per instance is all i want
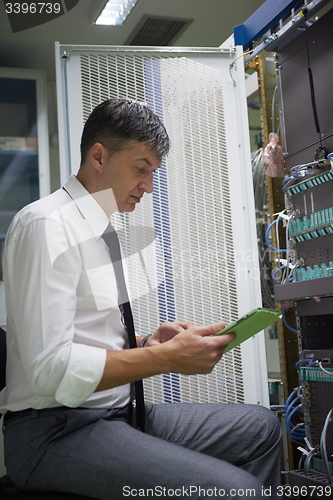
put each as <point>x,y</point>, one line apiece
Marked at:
<point>147,184</point>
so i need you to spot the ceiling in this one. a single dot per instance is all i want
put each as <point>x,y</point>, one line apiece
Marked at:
<point>212,23</point>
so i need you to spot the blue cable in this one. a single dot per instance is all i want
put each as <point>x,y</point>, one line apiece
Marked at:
<point>302,361</point>
<point>285,322</point>
<point>291,396</point>
<point>297,440</point>
<point>290,414</point>
<point>286,179</point>
<point>289,424</point>
<point>291,406</point>
<point>267,236</point>
<point>296,434</point>
<point>275,272</point>
<point>301,173</point>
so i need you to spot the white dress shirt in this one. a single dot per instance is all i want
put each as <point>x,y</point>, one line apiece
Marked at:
<point>61,300</point>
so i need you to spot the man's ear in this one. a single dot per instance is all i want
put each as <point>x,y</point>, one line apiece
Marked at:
<point>98,155</point>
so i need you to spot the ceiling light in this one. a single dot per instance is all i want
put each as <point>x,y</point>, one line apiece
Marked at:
<point>115,12</point>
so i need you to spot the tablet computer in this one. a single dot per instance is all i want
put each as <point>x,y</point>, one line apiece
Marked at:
<point>250,324</point>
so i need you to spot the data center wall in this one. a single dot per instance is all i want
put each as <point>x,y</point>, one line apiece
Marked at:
<point>314,48</point>
<point>307,129</point>
<point>311,200</point>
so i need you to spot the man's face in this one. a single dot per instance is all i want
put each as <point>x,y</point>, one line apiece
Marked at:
<point>129,173</point>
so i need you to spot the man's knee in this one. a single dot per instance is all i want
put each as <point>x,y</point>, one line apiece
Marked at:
<point>273,424</point>
<point>269,425</point>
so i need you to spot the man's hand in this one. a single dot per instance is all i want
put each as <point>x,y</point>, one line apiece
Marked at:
<point>192,349</point>
<point>197,349</point>
<point>167,331</point>
<point>174,347</point>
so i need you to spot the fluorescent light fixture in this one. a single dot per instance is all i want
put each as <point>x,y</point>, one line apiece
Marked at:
<point>115,12</point>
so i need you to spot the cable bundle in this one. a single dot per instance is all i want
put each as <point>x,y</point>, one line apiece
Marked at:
<point>260,201</point>
<point>296,433</point>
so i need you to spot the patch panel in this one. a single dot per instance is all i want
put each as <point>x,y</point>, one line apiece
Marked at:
<point>317,465</point>
<point>319,224</point>
<point>310,183</point>
<point>314,374</point>
<point>308,272</point>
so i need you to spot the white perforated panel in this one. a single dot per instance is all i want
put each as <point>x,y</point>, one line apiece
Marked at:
<point>188,271</point>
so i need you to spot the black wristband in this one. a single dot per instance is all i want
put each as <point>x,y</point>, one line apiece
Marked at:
<point>144,340</point>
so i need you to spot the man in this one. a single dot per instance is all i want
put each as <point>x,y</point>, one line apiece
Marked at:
<point>69,423</point>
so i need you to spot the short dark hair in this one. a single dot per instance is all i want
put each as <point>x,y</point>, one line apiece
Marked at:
<point>119,123</point>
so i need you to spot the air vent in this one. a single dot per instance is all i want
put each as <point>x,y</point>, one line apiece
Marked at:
<point>156,30</point>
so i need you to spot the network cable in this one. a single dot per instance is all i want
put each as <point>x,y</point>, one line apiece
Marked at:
<point>260,200</point>
<point>308,460</point>
<point>285,322</point>
<point>276,272</point>
<point>323,369</point>
<point>286,276</point>
<point>296,433</point>
<point>307,362</point>
<point>267,236</point>
<point>288,181</point>
<point>323,450</point>
<point>306,456</point>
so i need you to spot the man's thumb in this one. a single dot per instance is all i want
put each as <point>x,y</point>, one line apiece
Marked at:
<point>212,329</point>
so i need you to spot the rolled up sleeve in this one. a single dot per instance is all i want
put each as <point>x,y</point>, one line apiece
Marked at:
<point>80,380</point>
<point>41,311</point>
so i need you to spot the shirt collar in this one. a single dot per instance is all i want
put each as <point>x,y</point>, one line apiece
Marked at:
<point>88,206</point>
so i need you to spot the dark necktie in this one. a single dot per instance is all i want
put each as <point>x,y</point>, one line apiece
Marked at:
<point>111,239</point>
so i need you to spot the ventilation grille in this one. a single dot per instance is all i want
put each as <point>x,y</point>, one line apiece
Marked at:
<point>157,31</point>
<point>188,272</point>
